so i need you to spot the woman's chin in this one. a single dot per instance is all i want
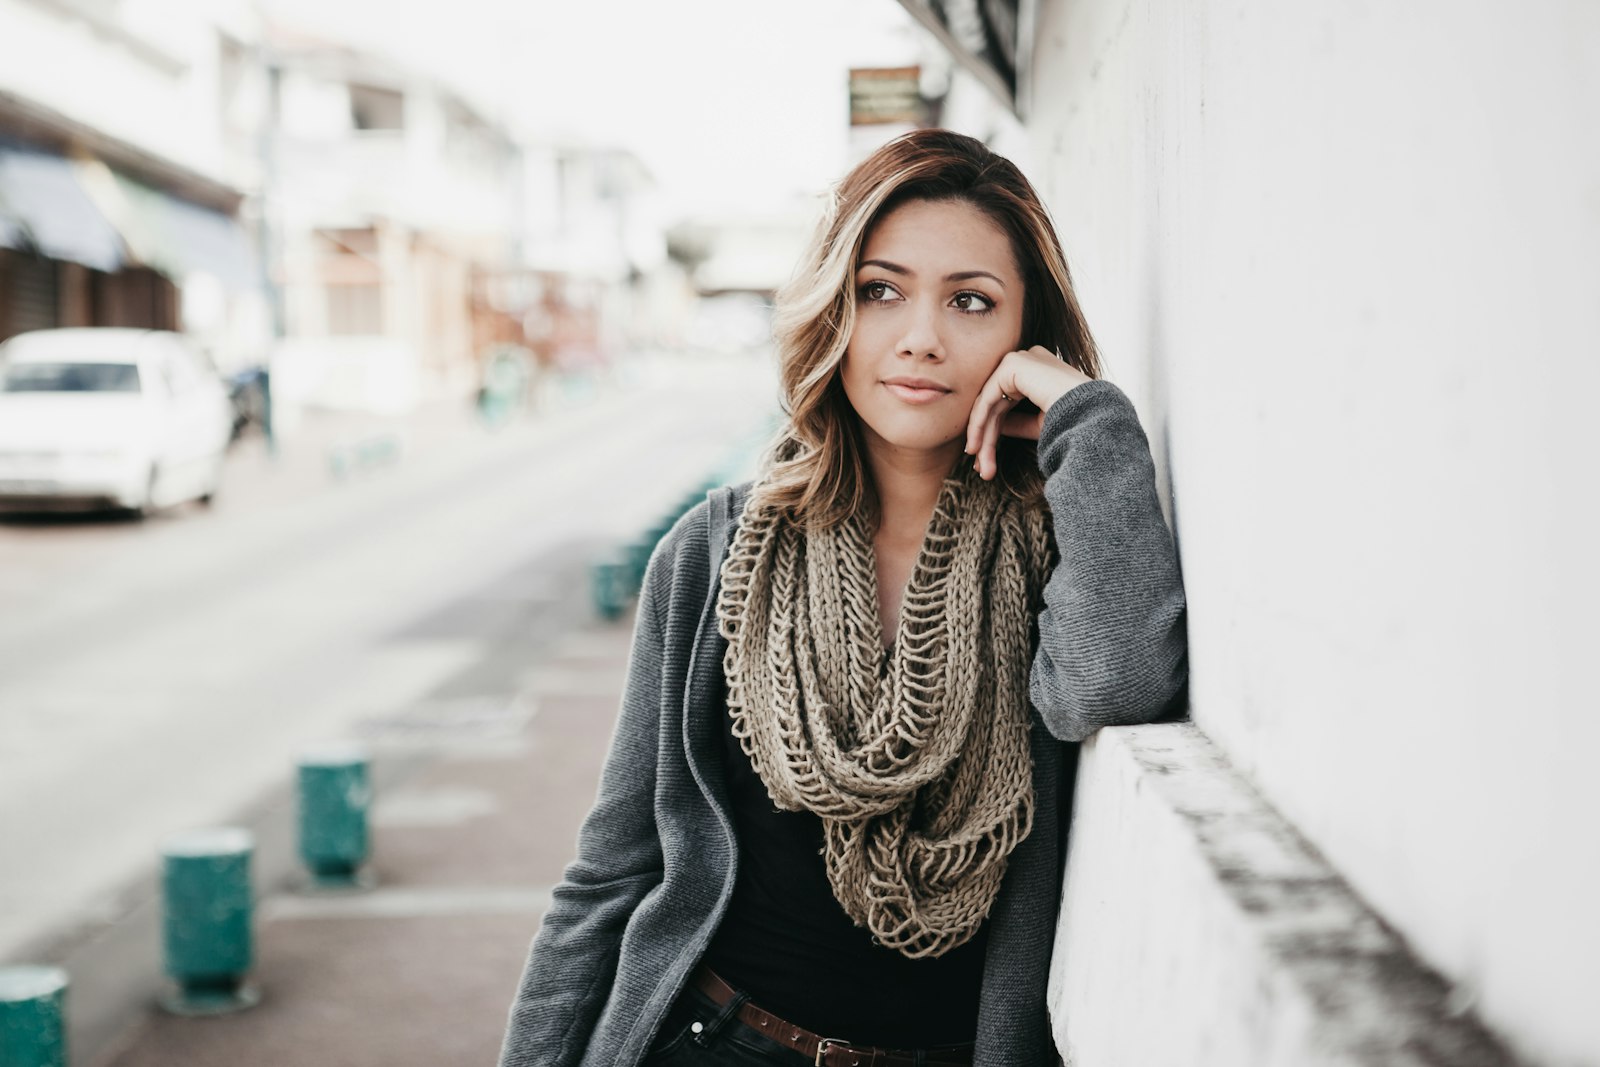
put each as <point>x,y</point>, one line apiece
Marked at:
<point>905,441</point>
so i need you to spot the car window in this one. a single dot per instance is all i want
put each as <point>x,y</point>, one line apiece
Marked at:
<point>69,378</point>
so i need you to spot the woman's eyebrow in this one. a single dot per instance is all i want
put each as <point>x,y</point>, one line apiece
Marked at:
<point>958,276</point>
<point>967,275</point>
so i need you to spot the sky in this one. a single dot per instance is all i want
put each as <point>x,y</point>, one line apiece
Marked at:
<point>733,104</point>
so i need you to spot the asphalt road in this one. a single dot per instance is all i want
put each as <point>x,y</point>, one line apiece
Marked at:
<point>160,675</point>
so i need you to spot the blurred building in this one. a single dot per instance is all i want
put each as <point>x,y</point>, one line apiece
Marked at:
<point>118,206</point>
<point>366,229</point>
<point>388,197</point>
<point>594,274</point>
<point>734,263</point>
<point>417,235</point>
<point>1344,262</point>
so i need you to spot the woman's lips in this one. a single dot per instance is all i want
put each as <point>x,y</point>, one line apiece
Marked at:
<point>916,394</point>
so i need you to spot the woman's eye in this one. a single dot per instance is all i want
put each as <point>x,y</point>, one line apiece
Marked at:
<point>970,301</point>
<point>876,291</point>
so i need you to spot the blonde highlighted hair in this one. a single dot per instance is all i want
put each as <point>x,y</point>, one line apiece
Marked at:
<point>815,470</point>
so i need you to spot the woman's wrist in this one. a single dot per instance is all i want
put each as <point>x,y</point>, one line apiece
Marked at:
<point>1044,378</point>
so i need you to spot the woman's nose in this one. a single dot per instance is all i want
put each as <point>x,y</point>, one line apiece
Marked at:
<point>921,338</point>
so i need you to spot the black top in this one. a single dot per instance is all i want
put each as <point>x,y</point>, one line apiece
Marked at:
<point>788,943</point>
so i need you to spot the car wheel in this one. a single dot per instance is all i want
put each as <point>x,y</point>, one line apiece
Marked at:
<point>146,507</point>
<point>212,486</point>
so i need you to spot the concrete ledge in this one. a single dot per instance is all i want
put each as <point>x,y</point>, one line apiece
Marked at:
<point>1199,930</point>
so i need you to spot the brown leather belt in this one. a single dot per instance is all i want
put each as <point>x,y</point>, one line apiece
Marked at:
<point>826,1051</point>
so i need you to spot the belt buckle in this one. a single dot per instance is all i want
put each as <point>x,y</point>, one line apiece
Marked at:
<point>822,1049</point>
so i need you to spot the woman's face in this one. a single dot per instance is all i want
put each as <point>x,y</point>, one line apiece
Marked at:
<point>938,303</point>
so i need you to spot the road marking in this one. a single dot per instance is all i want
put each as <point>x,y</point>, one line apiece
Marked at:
<point>432,807</point>
<point>413,903</point>
<point>594,643</point>
<point>478,717</point>
<point>603,680</point>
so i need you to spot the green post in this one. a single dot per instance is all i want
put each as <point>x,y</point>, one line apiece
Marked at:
<point>638,561</point>
<point>335,795</point>
<point>608,582</point>
<point>32,1013</point>
<point>207,923</point>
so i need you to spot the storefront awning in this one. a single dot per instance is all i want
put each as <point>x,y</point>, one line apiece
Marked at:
<point>172,235</point>
<point>43,208</point>
<point>210,240</point>
<point>992,39</point>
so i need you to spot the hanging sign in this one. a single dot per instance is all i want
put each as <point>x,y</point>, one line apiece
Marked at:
<point>884,95</point>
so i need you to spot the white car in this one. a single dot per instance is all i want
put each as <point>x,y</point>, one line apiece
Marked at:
<point>102,416</point>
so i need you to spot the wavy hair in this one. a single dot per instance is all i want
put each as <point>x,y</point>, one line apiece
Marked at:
<point>815,469</point>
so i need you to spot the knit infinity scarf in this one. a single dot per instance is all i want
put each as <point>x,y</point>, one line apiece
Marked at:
<point>916,759</point>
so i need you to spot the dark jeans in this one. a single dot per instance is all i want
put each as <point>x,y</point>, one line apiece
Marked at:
<point>728,1042</point>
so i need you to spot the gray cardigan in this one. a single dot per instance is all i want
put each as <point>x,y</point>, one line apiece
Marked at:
<point>656,855</point>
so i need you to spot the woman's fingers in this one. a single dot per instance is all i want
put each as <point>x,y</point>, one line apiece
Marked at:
<point>999,395</point>
<point>987,396</point>
<point>990,460</point>
<point>997,410</point>
<point>1036,375</point>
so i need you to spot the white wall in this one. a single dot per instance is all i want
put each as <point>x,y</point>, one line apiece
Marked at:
<point>146,73</point>
<point>1347,259</point>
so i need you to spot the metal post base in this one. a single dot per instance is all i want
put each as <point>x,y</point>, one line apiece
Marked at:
<point>356,881</point>
<point>211,998</point>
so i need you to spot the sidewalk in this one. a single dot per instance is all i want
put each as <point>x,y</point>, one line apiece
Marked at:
<point>481,676</point>
<point>421,970</point>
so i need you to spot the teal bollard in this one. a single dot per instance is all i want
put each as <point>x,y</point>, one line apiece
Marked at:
<point>335,795</point>
<point>208,902</point>
<point>32,1012</point>
<point>608,583</point>
<point>638,559</point>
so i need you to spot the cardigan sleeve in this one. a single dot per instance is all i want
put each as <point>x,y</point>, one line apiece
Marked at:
<point>573,960</point>
<point>1112,639</point>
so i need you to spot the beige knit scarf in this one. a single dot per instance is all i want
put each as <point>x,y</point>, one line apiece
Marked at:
<point>916,759</point>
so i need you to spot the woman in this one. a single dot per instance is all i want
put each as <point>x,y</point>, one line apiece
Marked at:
<point>831,825</point>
